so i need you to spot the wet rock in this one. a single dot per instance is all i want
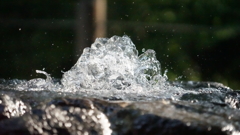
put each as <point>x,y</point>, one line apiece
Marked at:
<point>168,117</point>
<point>66,102</point>
<point>195,84</point>
<point>12,107</point>
<point>206,109</point>
<point>61,118</point>
<point>155,125</point>
<point>95,116</point>
<point>233,99</point>
<point>210,92</point>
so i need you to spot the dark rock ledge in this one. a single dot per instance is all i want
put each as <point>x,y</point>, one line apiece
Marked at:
<point>192,115</point>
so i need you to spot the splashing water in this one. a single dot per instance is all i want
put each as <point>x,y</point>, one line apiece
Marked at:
<point>111,69</point>
<point>114,64</point>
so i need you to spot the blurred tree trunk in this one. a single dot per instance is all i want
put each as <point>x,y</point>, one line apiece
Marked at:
<point>90,23</point>
<point>100,18</point>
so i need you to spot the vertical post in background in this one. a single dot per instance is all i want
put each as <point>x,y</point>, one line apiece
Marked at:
<point>84,26</point>
<point>100,18</point>
<point>90,23</point>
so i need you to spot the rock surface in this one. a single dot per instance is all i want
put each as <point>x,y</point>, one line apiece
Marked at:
<point>207,112</point>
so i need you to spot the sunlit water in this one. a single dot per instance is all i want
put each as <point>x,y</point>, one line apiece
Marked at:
<point>111,68</point>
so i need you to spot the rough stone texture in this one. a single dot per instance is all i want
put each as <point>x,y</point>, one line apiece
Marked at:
<point>11,107</point>
<point>78,117</point>
<point>206,112</point>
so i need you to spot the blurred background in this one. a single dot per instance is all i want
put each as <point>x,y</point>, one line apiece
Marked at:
<point>194,40</point>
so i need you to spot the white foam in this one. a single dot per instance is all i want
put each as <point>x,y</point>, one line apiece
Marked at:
<point>114,64</point>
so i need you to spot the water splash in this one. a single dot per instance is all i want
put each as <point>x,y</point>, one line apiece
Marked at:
<point>111,69</point>
<point>114,64</point>
<point>36,84</point>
